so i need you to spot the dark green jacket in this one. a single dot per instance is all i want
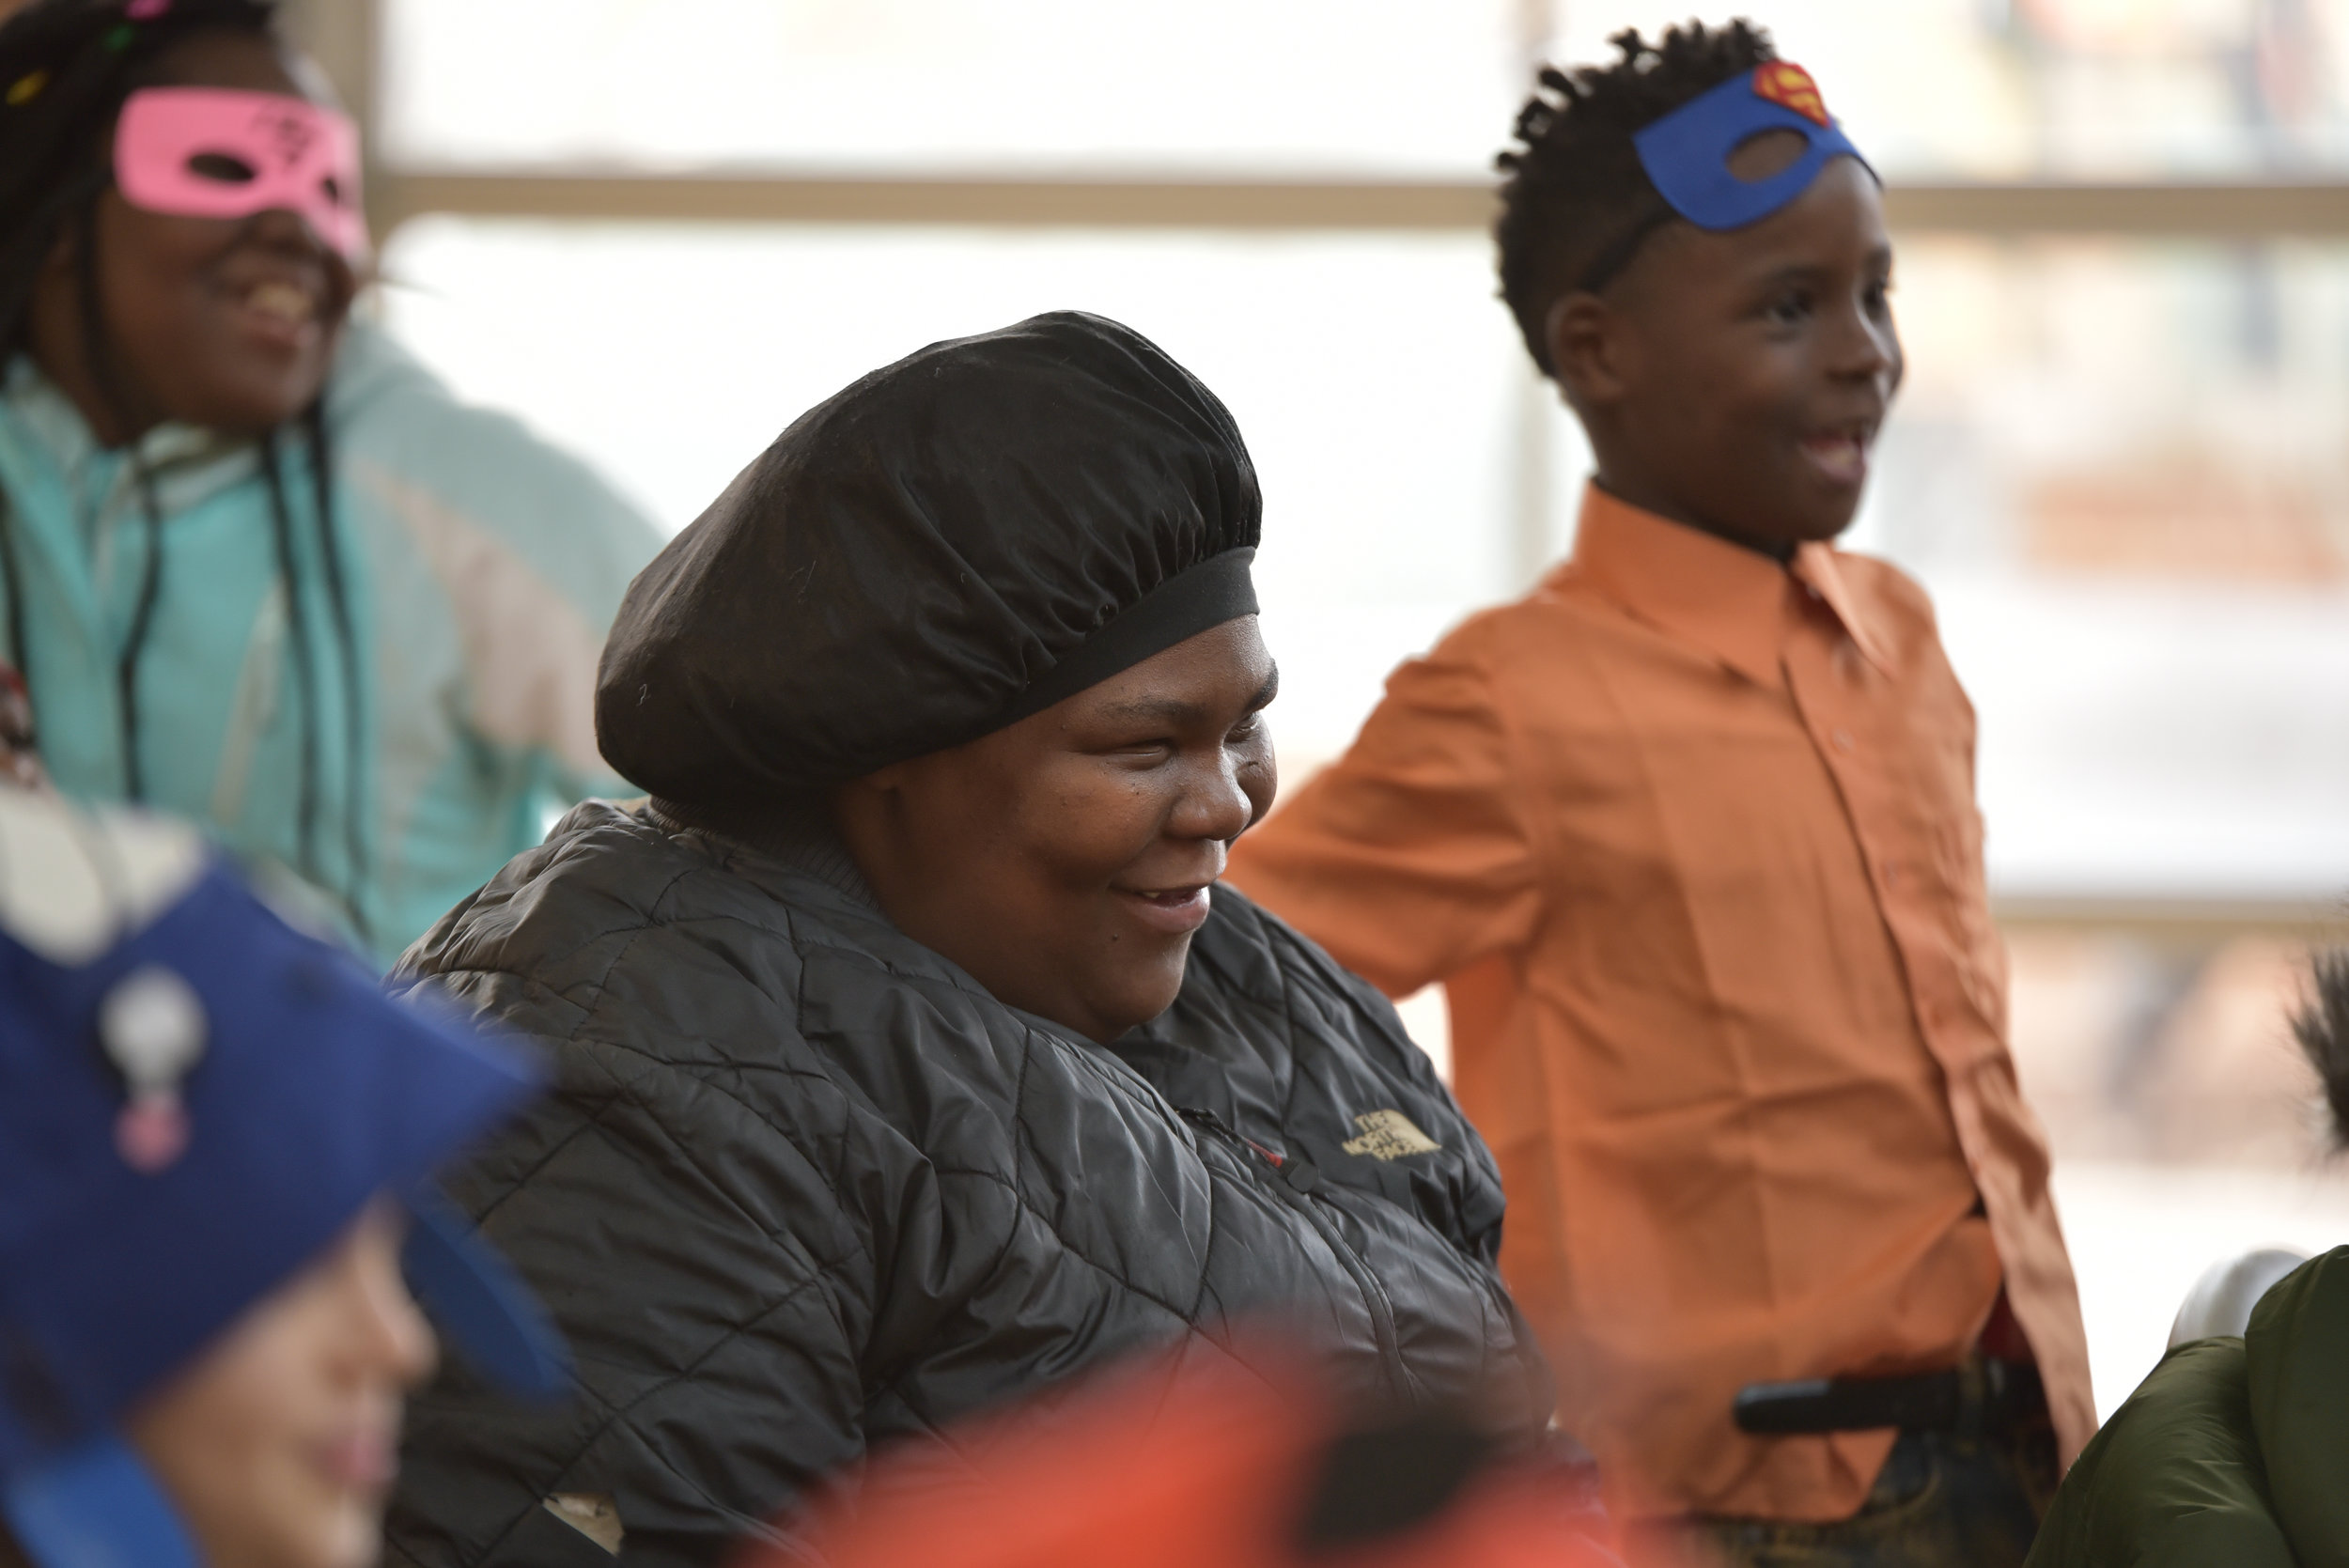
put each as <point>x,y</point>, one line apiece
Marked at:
<point>2233,1452</point>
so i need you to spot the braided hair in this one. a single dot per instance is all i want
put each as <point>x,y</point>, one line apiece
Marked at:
<point>1574,191</point>
<point>67,66</point>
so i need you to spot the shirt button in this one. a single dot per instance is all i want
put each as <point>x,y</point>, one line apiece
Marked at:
<point>1842,740</point>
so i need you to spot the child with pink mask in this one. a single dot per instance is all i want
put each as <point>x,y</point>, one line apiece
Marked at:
<point>258,566</point>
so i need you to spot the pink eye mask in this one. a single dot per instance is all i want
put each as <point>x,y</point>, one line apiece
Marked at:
<point>209,152</point>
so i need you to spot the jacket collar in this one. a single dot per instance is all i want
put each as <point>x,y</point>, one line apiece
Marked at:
<point>186,463</point>
<point>802,840</point>
<point>1730,601</point>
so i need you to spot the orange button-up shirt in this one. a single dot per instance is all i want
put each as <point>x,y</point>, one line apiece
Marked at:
<point>1692,838</point>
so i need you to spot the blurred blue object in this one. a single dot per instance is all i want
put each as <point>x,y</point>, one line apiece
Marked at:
<point>196,1100</point>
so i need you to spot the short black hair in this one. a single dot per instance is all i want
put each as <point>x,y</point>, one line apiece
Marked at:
<point>1573,186</point>
<point>66,67</point>
<point>2322,1028</point>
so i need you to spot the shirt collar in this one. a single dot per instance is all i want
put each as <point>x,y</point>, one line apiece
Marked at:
<point>1815,566</point>
<point>1731,601</point>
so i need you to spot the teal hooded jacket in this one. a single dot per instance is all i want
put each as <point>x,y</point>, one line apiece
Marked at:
<point>372,721</point>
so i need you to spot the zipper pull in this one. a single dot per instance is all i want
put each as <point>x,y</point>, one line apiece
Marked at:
<point>1279,1161</point>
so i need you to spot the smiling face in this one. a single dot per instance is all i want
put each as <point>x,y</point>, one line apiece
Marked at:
<point>1736,382</point>
<point>280,1443</point>
<point>1065,861</point>
<point>226,323</point>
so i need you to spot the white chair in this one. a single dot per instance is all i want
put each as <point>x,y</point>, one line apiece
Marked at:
<point>2221,1300</point>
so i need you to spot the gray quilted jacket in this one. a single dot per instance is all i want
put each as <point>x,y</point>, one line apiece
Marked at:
<point>804,1187</point>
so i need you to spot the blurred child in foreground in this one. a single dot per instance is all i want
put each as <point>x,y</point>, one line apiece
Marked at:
<point>2233,1449</point>
<point>1689,835</point>
<point>212,1130</point>
<point>1164,1464</point>
<point>259,567</point>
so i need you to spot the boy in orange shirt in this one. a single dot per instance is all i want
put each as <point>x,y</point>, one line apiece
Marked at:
<point>1690,835</point>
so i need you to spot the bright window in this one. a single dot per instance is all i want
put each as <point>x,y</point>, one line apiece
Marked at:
<point>1326,87</point>
<point>1975,88</point>
<point>1379,386</point>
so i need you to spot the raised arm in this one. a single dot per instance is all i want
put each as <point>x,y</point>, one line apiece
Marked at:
<point>1409,857</point>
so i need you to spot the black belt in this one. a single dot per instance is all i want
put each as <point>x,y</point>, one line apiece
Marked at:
<point>1981,1395</point>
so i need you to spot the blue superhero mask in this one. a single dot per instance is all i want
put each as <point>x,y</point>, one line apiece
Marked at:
<point>1687,155</point>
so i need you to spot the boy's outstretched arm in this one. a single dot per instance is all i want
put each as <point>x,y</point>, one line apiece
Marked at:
<point>1409,857</point>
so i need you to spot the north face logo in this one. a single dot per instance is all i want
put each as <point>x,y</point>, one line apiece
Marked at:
<point>1388,1135</point>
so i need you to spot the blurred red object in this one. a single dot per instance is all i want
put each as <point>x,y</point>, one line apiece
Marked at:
<point>1180,1468</point>
<point>20,762</point>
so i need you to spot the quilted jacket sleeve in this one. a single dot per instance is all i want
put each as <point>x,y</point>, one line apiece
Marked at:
<point>2175,1479</point>
<point>2297,1358</point>
<point>694,1254</point>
